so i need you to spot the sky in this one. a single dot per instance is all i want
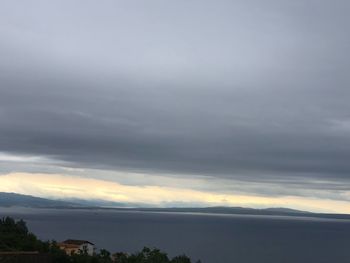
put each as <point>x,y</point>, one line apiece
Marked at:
<point>177,103</point>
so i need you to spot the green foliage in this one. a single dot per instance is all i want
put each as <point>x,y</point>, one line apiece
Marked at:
<point>148,255</point>
<point>181,259</point>
<point>57,254</point>
<point>120,257</point>
<point>15,236</point>
<point>104,256</point>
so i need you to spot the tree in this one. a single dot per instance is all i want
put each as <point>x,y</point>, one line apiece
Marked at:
<point>104,256</point>
<point>22,226</point>
<point>57,254</point>
<point>120,257</point>
<point>15,236</point>
<point>181,259</point>
<point>148,255</point>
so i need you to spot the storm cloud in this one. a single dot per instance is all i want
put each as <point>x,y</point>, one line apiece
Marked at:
<point>254,91</point>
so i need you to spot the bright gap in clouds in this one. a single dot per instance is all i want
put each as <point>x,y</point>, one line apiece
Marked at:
<point>6,157</point>
<point>59,186</point>
<point>62,181</point>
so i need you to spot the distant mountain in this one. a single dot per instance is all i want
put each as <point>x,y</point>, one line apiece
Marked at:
<point>103,203</point>
<point>284,210</point>
<point>229,210</point>
<point>13,199</point>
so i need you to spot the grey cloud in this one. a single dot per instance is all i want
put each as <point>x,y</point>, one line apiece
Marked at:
<point>254,91</point>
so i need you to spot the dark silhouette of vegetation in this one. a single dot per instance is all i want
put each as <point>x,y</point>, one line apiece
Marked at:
<point>147,255</point>
<point>181,259</point>
<point>15,236</point>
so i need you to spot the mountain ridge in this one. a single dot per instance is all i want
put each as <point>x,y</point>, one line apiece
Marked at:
<point>8,199</point>
<point>14,199</point>
<point>20,200</point>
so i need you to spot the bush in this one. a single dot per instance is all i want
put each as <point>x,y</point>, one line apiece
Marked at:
<point>15,236</point>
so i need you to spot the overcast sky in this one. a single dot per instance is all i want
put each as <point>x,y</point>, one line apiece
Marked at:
<point>220,97</point>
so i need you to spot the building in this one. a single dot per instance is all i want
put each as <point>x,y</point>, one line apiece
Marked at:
<point>72,246</point>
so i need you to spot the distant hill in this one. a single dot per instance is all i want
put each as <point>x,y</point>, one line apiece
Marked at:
<point>284,210</point>
<point>279,211</point>
<point>13,199</point>
<point>19,200</point>
<point>103,203</point>
<point>230,210</point>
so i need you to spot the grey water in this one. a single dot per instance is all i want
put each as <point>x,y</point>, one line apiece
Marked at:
<point>210,238</point>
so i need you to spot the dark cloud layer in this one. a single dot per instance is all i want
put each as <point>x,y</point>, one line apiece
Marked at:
<point>251,91</point>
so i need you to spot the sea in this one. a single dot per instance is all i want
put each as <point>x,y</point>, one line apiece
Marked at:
<point>211,238</point>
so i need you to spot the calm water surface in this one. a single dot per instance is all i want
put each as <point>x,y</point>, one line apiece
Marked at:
<point>211,238</point>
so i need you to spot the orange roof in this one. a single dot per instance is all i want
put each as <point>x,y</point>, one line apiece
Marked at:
<point>64,245</point>
<point>76,242</point>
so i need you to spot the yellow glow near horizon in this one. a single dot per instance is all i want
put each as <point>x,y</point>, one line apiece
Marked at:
<point>62,186</point>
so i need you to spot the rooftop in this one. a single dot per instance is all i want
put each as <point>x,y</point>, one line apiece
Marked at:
<point>76,242</point>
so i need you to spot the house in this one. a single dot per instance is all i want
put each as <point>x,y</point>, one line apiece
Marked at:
<point>72,246</point>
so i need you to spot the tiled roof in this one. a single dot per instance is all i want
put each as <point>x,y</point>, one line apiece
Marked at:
<point>64,245</point>
<point>76,242</point>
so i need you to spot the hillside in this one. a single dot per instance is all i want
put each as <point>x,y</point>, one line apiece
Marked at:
<point>19,200</point>
<point>13,199</point>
